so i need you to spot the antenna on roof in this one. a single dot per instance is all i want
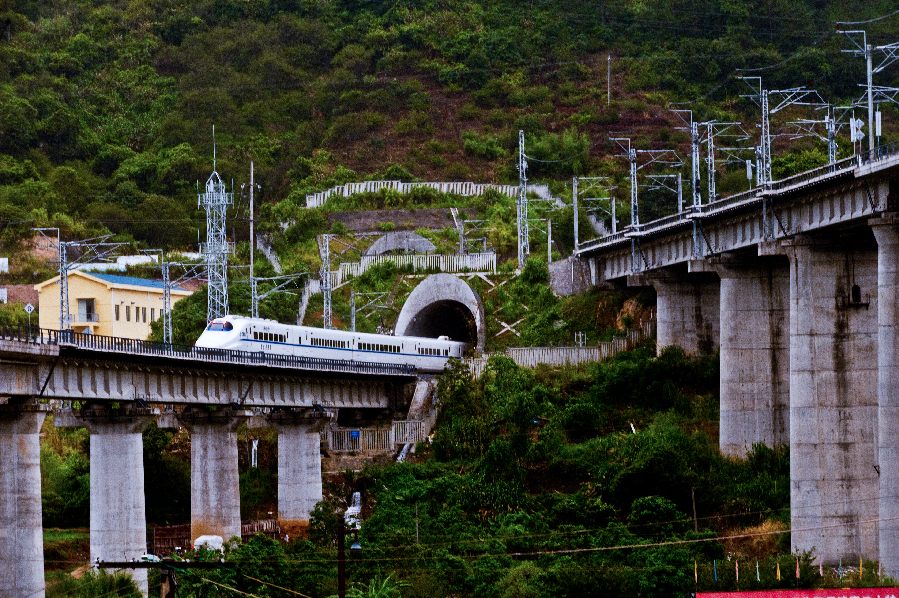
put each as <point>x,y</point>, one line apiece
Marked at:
<point>213,147</point>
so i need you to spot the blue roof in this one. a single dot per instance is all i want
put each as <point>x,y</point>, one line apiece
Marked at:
<point>131,280</point>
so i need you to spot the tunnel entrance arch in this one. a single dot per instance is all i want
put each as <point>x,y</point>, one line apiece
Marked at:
<point>443,305</point>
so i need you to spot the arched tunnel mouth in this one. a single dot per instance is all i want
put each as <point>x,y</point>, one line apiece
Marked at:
<point>445,318</point>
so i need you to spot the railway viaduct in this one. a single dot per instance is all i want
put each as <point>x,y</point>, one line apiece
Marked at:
<point>797,284</point>
<point>118,387</point>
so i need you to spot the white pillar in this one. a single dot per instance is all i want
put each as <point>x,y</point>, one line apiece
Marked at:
<point>214,476</point>
<point>21,532</point>
<point>687,311</point>
<point>299,464</point>
<point>118,520</point>
<point>886,231</point>
<point>755,353</point>
<point>833,399</point>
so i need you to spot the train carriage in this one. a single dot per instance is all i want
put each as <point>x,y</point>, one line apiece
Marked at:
<point>239,333</point>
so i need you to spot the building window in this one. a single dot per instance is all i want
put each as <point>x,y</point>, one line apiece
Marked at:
<point>116,313</point>
<point>152,314</point>
<point>127,313</point>
<point>86,310</point>
<point>144,312</point>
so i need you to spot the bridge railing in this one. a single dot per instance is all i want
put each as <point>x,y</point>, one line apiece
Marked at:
<point>663,222</point>
<point>845,164</point>
<point>96,342</point>
<point>726,202</point>
<point>808,175</point>
<point>879,153</point>
<point>385,439</point>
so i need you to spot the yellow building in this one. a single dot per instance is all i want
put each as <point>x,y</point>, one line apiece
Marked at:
<point>106,304</point>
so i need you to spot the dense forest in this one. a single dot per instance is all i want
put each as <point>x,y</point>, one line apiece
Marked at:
<point>604,480</point>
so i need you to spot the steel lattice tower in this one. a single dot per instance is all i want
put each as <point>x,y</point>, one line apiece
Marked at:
<point>216,249</point>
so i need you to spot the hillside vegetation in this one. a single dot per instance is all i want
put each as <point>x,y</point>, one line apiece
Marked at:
<point>108,107</point>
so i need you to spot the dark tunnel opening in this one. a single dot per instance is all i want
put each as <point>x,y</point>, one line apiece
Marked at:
<point>445,318</point>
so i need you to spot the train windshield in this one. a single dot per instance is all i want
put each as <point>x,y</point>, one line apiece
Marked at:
<point>220,326</point>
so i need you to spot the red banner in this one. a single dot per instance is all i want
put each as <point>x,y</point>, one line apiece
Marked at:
<point>832,593</point>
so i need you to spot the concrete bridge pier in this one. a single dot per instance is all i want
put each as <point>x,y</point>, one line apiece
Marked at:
<point>118,520</point>
<point>299,462</point>
<point>687,310</point>
<point>886,231</point>
<point>755,352</point>
<point>833,392</point>
<point>21,537</point>
<point>214,476</point>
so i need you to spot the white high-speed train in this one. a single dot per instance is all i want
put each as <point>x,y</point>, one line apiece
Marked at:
<point>239,333</point>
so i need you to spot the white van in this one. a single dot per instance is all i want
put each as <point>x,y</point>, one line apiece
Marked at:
<point>210,542</point>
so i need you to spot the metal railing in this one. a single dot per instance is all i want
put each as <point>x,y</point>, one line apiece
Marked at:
<point>385,439</point>
<point>750,196</point>
<point>816,173</point>
<point>879,153</point>
<point>85,318</point>
<point>727,202</point>
<point>664,222</point>
<point>112,344</point>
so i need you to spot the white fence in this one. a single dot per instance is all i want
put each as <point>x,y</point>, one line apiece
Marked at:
<point>315,200</point>
<point>560,356</point>
<point>471,262</point>
<point>358,440</point>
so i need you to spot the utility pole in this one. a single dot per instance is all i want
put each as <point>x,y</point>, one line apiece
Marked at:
<point>865,50</point>
<point>94,249</point>
<point>523,237</point>
<point>166,301</point>
<point>549,241</point>
<point>326,279</point>
<point>695,160</point>
<point>255,306</point>
<point>254,289</point>
<point>710,158</point>
<point>797,96</point>
<point>631,155</point>
<point>574,205</point>
<point>654,156</point>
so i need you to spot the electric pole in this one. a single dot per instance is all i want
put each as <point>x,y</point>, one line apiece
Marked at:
<point>523,238</point>
<point>93,249</point>
<point>325,248</point>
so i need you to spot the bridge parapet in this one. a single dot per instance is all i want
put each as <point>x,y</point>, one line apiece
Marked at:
<point>20,339</point>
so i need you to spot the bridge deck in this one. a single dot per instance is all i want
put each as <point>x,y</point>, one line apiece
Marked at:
<point>50,343</point>
<point>854,167</point>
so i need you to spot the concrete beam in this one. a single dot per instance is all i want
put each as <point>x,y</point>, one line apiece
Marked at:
<point>111,380</point>
<point>21,531</point>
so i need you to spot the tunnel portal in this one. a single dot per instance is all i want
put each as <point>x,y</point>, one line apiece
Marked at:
<point>443,305</point>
